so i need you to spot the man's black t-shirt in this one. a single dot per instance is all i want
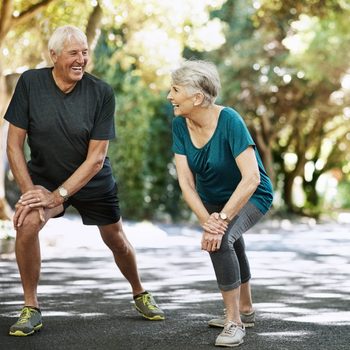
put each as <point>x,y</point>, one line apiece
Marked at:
<point>60,126</point>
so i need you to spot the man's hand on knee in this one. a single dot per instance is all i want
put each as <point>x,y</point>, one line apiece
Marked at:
<point>21,213</point>
<point>38,197</point>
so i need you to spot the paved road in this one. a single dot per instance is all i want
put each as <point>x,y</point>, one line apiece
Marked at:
<point>301,289</point>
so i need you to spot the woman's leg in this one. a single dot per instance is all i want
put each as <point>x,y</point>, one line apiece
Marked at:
<point>227,269</point>
<point>245,301</point>
<point>231,264</point>
<point>231,301</point>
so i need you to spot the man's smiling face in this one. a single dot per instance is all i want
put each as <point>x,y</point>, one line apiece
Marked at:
<point>71,62</point>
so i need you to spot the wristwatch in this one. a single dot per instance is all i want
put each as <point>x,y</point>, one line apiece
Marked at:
<point>223,216</point>
<point>63,193</point>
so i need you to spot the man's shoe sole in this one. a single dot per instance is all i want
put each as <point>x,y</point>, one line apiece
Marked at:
<point>19,333</point>
<point>151,318</point>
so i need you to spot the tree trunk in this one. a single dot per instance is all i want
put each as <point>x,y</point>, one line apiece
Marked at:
<point>260,135</point>
<point>288,191</point>
<point>267,159</point>
<point>7,21</point>
<point>289,182</point>
<point>93,26</point>
<point>4,212</point>
<point>7,85</point>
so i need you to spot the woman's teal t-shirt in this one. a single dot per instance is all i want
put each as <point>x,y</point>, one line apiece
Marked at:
<point>216,172</point>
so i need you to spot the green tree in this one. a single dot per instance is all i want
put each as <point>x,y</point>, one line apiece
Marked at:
<point>135,57</point>
<point>282,71</point>
<point>141,42</point>
<point>25,26</point>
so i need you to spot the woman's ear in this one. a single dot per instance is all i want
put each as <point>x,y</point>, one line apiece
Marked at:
<point>198,99</point>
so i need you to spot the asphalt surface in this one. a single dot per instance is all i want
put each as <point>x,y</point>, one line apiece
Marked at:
<point>301,289</point>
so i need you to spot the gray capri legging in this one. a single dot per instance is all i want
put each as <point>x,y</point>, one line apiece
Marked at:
<point>230,262</point>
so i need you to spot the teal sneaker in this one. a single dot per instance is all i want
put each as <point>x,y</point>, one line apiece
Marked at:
<point>147,307</point>
<point>28,323</point>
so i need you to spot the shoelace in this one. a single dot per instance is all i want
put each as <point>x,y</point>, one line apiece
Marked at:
<point>230,328</point>
<point>146,299</point>
<point>25,315</point>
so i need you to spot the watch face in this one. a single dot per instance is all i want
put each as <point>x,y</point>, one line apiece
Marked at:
<point>63,192</point>
<point>223,216</point>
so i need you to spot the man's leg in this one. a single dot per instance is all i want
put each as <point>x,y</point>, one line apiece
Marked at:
<point>28,252</point>
<point>123,252</point>
<point>125,258</point>
<point>29,261</point>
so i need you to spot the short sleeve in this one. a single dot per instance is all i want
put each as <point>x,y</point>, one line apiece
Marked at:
<point>178,146</point>
<point>239,136</point>
<point>104,128</point>
<point>18,110</point>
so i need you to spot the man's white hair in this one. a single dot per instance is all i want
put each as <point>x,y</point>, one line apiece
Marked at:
<point>63,35</point>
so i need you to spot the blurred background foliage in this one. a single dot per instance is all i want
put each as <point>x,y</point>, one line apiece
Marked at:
<point>284,66</point>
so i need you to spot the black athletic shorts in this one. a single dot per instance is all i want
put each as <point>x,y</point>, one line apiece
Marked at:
<point>102,210</point>
<point>101,207</point>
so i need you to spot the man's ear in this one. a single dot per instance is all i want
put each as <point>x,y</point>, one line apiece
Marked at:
<point>198,99</point>
<point>53,56</point>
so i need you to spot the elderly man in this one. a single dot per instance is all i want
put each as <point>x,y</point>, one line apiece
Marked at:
<point>68,117</point>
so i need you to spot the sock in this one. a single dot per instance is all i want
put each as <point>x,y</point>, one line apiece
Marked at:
<point>33,307</point>
<point>138,295</point>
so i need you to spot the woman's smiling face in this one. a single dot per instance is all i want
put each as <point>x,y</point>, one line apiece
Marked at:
<point>181,100</point>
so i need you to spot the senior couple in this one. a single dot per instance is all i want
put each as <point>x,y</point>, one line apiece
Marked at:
<point>67,115</point>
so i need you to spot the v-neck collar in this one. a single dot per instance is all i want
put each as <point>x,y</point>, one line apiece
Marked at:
<point>56,87</point>
<point>212,136</point>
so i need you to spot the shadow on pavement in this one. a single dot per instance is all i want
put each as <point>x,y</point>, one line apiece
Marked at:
<point>300,289</point>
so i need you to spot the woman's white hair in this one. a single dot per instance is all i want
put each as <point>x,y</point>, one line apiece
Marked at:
<point>63,35</point>
<point>199,76</point>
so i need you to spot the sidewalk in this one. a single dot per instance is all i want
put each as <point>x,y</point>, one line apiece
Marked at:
<point>301,289</point>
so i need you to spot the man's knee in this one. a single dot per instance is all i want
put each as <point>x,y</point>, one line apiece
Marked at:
<point>31,223</point>
<point>117,241</point>
<point>120,245</point>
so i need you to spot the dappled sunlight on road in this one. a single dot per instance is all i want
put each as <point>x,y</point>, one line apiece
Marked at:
<point>300,336</point>
<point>308,266</point>
<point>305,266</point>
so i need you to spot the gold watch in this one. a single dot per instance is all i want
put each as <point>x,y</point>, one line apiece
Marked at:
<point>63,193</point>
<point>223,216</point>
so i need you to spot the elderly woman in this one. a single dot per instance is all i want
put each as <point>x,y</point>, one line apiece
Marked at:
<point>223,181</point>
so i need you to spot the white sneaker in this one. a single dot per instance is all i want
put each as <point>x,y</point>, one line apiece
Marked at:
<point>247,319</point>
<point>232,335</point>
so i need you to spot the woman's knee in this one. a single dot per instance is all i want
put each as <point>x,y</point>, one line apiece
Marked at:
<point>226,244</point>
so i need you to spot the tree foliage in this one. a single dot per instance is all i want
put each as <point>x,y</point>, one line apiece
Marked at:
<point>281,69</point>
<point>135,56</point>
<point>139,45</point>
<point>284,66</point>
